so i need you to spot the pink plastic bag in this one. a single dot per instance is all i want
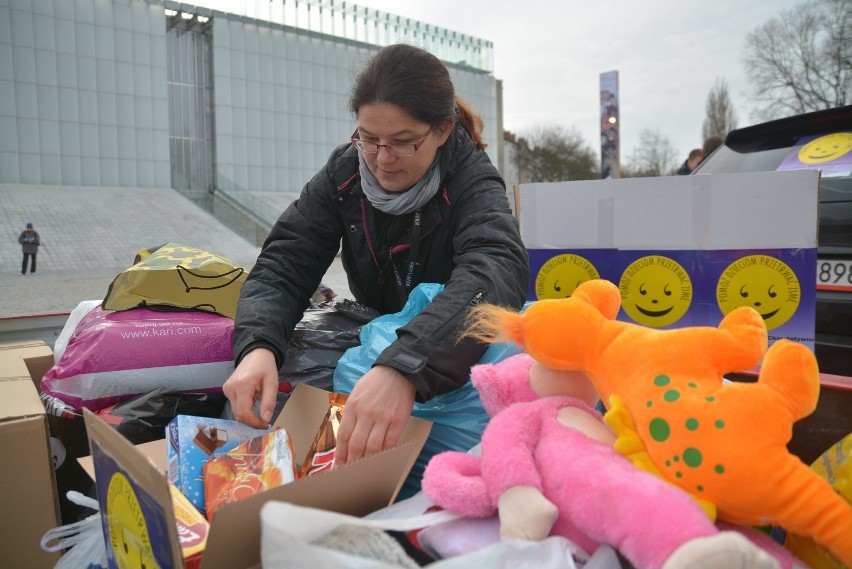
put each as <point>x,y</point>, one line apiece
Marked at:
<point>113,356</point>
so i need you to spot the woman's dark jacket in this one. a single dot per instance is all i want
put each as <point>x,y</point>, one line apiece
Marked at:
<point>469,242</point>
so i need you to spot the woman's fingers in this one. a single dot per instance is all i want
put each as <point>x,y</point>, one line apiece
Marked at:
<point>257,374</point>
<point>375,414</point>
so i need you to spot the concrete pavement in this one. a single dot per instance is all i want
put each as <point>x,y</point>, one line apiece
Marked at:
<point>90,235</point>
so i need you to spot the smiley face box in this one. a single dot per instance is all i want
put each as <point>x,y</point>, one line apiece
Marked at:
<point>683,250</point>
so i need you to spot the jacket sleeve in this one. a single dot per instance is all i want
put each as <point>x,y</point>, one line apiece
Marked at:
<point>490,265</point>
<point>295,256</point>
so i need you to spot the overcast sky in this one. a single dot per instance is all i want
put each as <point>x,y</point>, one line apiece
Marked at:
<point>550,53</point>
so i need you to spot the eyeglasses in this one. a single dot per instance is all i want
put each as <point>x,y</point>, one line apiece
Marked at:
<point>402,150</point>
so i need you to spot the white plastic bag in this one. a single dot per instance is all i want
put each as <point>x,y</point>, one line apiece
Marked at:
<point>70,326</point>
<point>287,531</point>
<point>84,538</point>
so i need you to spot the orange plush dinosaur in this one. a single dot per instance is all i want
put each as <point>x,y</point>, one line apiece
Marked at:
<point>724,443</point>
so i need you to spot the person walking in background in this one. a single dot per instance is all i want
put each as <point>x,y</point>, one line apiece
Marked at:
<point>691,162</point>
<point>30,242</point>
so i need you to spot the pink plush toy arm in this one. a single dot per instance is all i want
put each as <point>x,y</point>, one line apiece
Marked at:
<point>500,385</point>
<point>472,485</point>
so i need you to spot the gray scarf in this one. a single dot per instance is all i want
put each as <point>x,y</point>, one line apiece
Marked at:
<point>399,203</point>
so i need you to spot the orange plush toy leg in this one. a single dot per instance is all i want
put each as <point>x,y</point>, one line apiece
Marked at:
<point>811,507</point>
<point>808,504</point>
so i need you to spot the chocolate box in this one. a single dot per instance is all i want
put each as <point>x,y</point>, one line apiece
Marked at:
<point>195,440</point>
<point>255,465</point>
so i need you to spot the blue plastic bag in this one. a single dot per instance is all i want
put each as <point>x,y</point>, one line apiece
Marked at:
<point>458,418</point>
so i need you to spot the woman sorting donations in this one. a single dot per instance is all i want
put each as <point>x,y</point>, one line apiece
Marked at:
<point>413,198</point>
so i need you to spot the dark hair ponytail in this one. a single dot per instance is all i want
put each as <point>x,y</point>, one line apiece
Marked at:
<point>419,83</point>
<point>470,121</point>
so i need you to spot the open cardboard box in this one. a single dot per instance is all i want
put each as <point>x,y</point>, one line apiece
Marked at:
<point>134,495</point>
<point>27,485</point>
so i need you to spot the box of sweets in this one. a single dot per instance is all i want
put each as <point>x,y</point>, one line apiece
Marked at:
<point>192,441</point>
<point>192,528</point>
<point>254,466</point>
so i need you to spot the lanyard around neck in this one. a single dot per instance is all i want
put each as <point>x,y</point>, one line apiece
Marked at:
<point>403,285</point>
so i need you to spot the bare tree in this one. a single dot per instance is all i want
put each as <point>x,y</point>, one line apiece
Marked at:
<point>655,156</point>
<point>801,60</point>
<point>557,154</point>
<point>721,117</point>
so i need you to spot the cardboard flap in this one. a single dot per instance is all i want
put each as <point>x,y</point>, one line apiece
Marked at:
<point>38,366</point>
<point>234,539</point>
<point>17,396</point>
<point>19,399</point>
<point>302,421</point>
<point>154,451</point>
<point>148,479</point>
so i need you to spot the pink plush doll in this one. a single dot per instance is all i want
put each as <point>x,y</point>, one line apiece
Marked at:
<point>547,467</point>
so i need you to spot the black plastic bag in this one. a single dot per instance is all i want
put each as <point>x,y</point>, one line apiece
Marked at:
<point>319,340</point>
<point>145,417</point>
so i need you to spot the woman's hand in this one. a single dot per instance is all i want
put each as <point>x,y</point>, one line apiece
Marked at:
<point>375,414</point>
<point>256,375</point>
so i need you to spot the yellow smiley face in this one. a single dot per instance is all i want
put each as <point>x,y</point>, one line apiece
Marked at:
<point>128,532</point>
<point>762,282</point>
<point>656,291</point>
<point>826,148</point>
<point>560,275</point>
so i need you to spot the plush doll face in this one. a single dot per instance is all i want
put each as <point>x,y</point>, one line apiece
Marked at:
<point>546,381</point>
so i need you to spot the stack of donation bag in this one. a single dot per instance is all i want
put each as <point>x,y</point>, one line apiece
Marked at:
<point>165,350</point>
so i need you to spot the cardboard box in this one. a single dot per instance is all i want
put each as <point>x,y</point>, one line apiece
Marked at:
<point>686,243</point>
<point>133,488</point>
<point>27,485</point>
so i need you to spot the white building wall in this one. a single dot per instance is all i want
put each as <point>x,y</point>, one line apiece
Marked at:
<point>282,102</point>
<point>83,96</point>
<point>480,91</point>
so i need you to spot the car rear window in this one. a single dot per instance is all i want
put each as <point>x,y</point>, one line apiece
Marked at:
<point>727,160</point>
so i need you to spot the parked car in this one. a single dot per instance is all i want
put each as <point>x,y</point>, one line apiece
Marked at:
<point>764,147</point>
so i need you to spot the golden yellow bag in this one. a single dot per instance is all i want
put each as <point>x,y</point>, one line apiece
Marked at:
<point>177,277</point>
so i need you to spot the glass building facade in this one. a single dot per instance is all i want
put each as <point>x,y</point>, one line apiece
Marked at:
<point>247,102</point>
<point>189,54</point>
<point>83,93</point>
